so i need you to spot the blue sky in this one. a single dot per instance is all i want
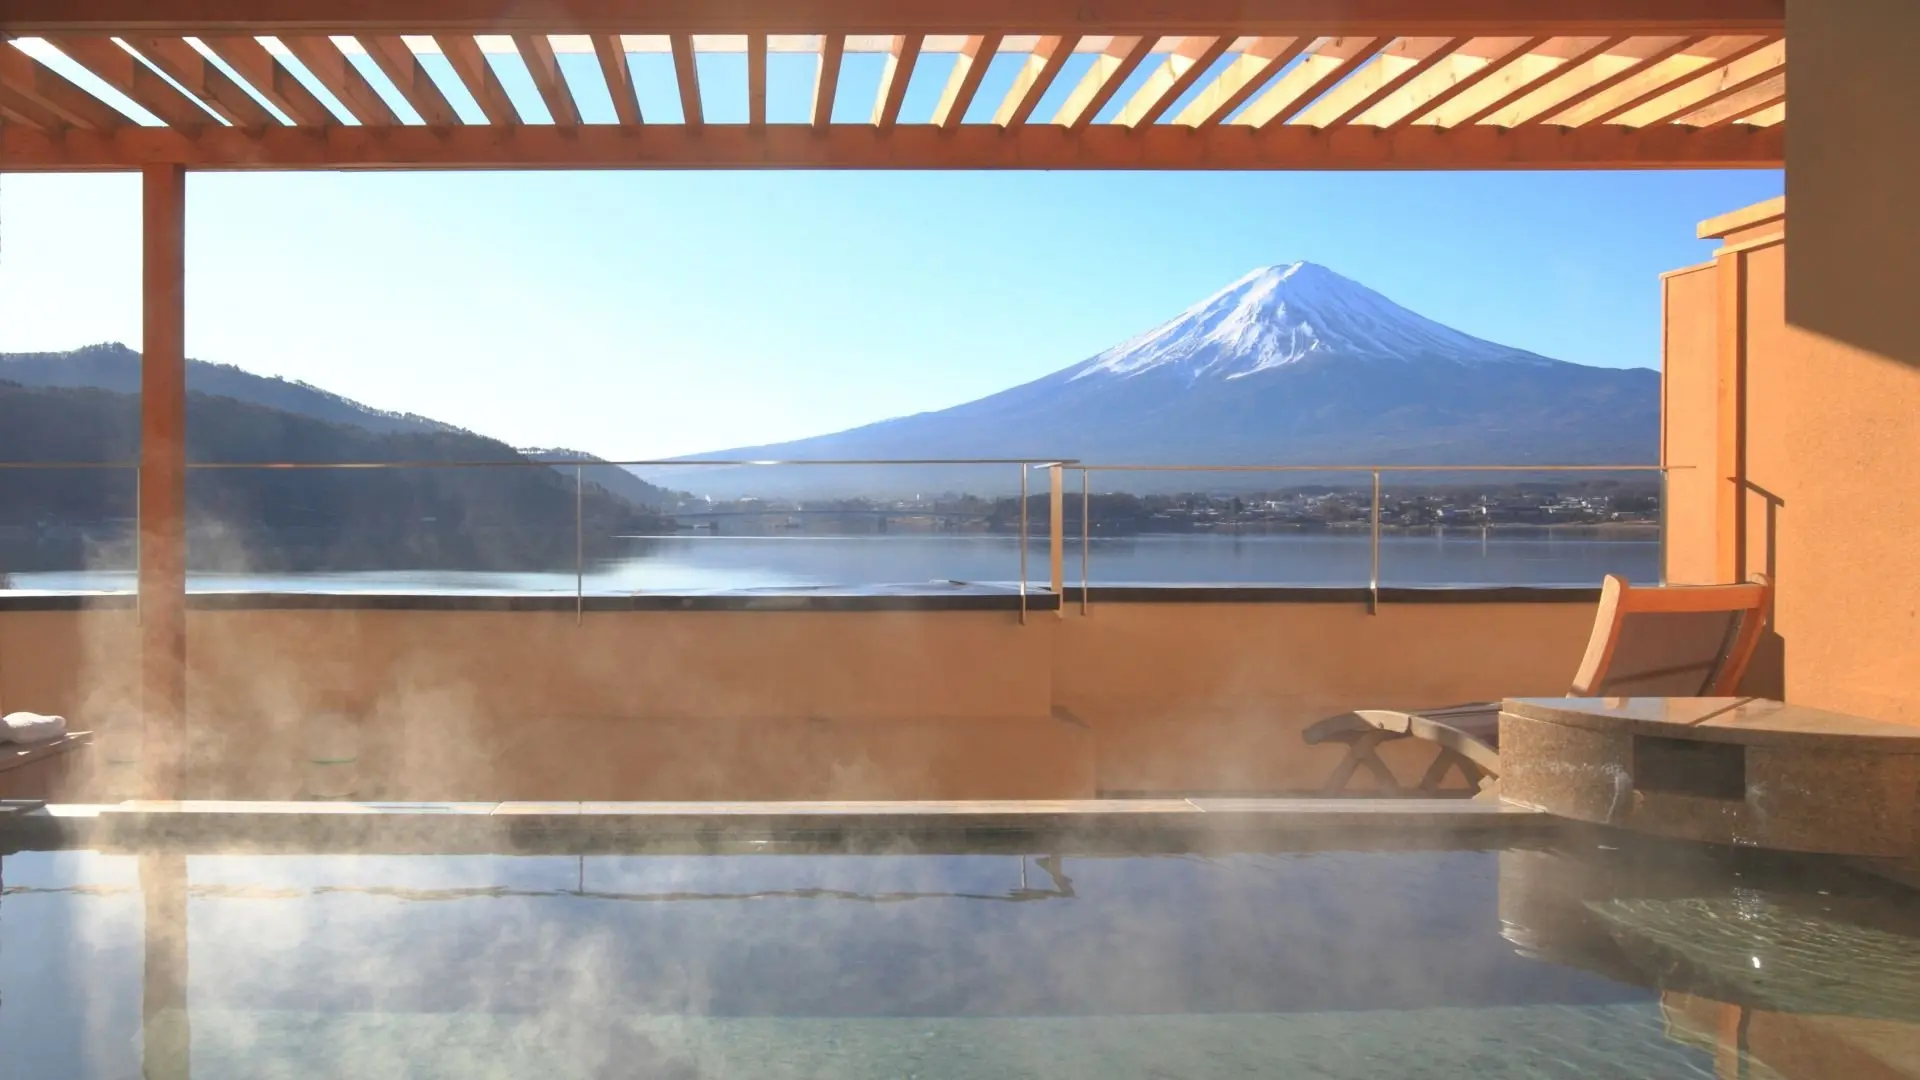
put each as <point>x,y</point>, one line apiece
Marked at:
<point>650,314</point>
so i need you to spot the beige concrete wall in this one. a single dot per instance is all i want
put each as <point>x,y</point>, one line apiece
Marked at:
<point>1831,491</point>
<point>1197,697</point>
<point>1688,405</point>
<point>761,705</point>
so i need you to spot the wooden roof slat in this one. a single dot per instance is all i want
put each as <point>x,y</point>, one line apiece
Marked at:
<point>901,59</point>
<point>548,79</point>
<point>1594,96</point>
<point>1566,84</point>
<point>1188,18</point>
<point>1742,67</point>
<point>46,88</point>
<point>1675,72</point>
<point>18,108</point>
<point>1746,94</point>
<point>612,54</point>
<point>1176,74</point>
<point>1241,79</point>
<point>1110,68</point>
<point>394,58</point>
<point>1775,113</point>
<point>907,146</point>
<point>185,65</point>
<point>963,82</point>
<point>1524,86</point>
<point>270,79</point>
<point>826,78</point>
<point>1316,74</point>
<point>687,73</point>
<point>121,70</point>
<point>1467,73</point>
<point>1034,79</point>
<point>477,75</point>
<point>1377,81</point>
<point>1768,92</point>
<point>331,69</point>
<point>757,79</point>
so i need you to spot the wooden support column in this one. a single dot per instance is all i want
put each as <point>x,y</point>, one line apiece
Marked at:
<point>166,1032</point>
<point>163,479</point>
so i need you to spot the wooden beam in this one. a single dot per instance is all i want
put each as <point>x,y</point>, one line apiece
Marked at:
<point>1175,76</point>
<point>477,75</point>
<point>48,89</point>
<point>1318,73</point>
<point>826,78</point>
<point>186,66</point>
<point>1035,78</point>
<point>331,69</point>
<point>1564,84</point>
<point>916,146</point>
<point>271,79</point>
<point>687,73</point>
<point>548,79</point>
<point>1566,112</point>
<point>1765,94</point>
<point>1110,68</point>
<point>1464,81</point>
<point>612,52</point>
<point>163,477</point>
<point>964,80</point>
<point>394,58</point>
<point>756,79</point>
<point>902,55</point>
<point>1189,18</point>
<point>119,69</point>
<point>17,108</point>
<point>1524,85</point>
<point>1251,70</point>
<point>1683,69</point>
<point>1394,68</point>
<point>1773,114</point>
<point>1727,79</point>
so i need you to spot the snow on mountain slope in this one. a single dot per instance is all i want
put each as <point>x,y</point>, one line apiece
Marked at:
<point>1291,364</point>
<point>1282,315</point>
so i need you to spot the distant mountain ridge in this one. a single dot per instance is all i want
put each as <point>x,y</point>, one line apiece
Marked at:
<point>1290,364</point>
<point>116,368</point>
<point>113,366</point>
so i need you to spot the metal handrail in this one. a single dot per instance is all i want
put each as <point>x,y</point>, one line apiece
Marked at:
<point>1056,514</point>
<point>1086,470</point>
<point>579,488</point>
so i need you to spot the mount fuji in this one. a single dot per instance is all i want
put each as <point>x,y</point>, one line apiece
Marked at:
<point>1291,364</point>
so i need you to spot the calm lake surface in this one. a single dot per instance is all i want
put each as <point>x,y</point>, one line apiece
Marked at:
<point>720,563</point>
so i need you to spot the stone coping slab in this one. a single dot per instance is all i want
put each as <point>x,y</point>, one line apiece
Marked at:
<point>1748,721</point>
<point>1170,825</point>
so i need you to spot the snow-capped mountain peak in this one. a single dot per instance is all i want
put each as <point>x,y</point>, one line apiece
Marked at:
<point>1285,314</point>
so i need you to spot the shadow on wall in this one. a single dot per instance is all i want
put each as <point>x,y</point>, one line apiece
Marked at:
<point>1767,673</point>
<point>1850,167</point>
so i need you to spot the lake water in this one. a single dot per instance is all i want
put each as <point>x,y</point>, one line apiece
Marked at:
<point>719,563</point>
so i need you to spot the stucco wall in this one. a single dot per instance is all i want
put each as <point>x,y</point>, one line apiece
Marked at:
<point>1187,697</point>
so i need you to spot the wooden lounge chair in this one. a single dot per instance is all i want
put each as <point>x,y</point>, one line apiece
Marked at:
<point>1677,641</point>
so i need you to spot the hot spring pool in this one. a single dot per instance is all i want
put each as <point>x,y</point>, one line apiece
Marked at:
<point>1583,958</point>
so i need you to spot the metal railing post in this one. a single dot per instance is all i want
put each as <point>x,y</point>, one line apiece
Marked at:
<point>1086,533</point>
<point>1662,520</point>
<point>1023,543</point>
<point>1373,586</point>
<point>579,546</point>
<point>1057,535</point>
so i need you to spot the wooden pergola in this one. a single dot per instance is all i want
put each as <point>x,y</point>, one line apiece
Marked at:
<point>168,86</point>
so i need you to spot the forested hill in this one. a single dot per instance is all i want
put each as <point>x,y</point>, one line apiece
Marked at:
<point>507,517</point>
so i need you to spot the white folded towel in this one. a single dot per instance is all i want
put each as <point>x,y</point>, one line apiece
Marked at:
<point>27,727</point>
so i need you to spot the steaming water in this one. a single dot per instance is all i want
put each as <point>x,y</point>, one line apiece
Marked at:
<point>1411,964</point>
<point>691,563</point>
